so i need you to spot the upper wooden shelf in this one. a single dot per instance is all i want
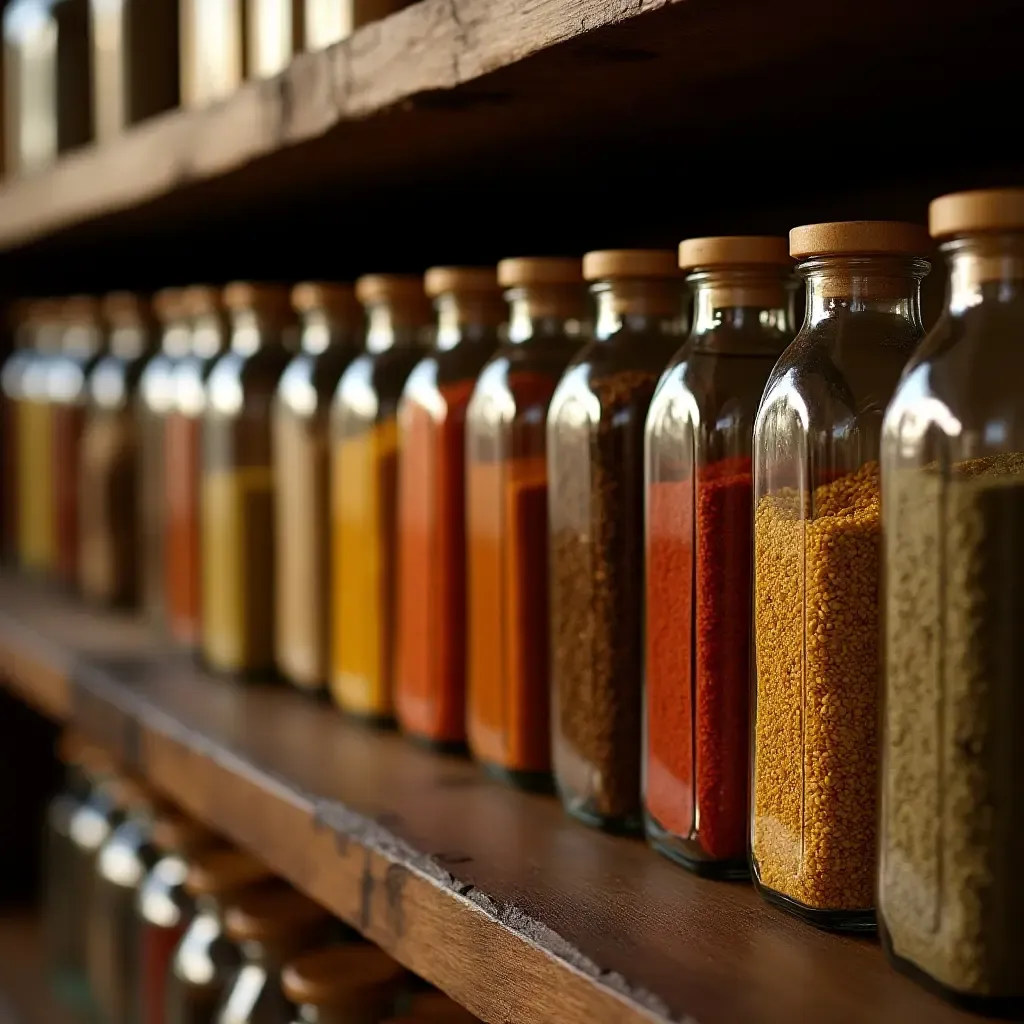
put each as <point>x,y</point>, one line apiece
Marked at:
<point>491,894</point>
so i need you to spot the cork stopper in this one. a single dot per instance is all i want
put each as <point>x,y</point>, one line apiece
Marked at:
<point>461,281</point>
<point>338,301</point>
<point>397,290</point>
<point>352,976</point>
<point>271,913</point>
<point>174,832</point>
<point>201,300</point>
<point>72,748</point>
<point>168,305</point>
<point>528,271</point>
<point>734,251</point>
<point>223,870</point>
<point>985,210</point>
<point>84,309</point>
<point>270,300</point>
<point>859,238</point>
<point>436,1007</point>
<point>125,309</point>
<point>609,264</point>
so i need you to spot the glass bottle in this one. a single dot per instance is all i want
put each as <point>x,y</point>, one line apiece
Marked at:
<point>164,908</point>
<point>275,32</point>
<point>237,531</point>
<point>508,695</point>
<point>951,839</point>
<point>330,340</point>
<point>108,555</point>
<point>595,502</point>
<point>213,51</point>
<point>330,21</point>
<point>271,927</point>
<point>342,984</point>
<point>363,483</point>
<point>430,647</point>
<point>156,396</point>
<point>816,569</point>
<point>82,347</point>
<point>205,961</point>
<point>183,460</point>
<point>699,490</point>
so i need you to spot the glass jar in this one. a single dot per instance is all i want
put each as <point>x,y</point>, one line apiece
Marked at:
<point>237,531</point>
<point>816,569</point>
<point>109,560</point>
<point>271,927</point>
<point>37,539</point>
<point>165,909</point>
<point>699,480</point>
<point>949,894</point>
<point>330,21</point>
<point>82,347</point>
<point>343,984</point>
<point>134,62</point>
<point>47,87</point>
<point>213,50</point>
<point>363,483</point>
<point>430,648</point>
<point>156,396</point>
<point>205,961</point>
<point>183,460</point>
<point>275,33</point>
<point>330,340</point>
<point>595,502</point>
<point>508,696</point>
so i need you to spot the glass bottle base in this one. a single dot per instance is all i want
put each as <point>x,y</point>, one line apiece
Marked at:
<point>530,782</point>
<point>999,1007</point>
<point>687,854</point>
<point>243,675</point>
<point>582,809</point>
<point>858,921</point>
<point>369,719</point>
<point>436,746</point>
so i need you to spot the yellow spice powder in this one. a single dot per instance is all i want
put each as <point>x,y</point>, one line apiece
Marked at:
<point>816,630</point>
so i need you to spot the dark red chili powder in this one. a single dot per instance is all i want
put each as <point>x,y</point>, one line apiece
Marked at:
<point>698,635</point>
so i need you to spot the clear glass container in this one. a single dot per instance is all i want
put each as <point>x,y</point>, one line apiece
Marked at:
<point>109,561</point>
<point>276,31</point>
<point>355,983</point>
<point>331,337</point>
<point>206,961</point>
<point>950,902</point>
<point>816,569</point>
<point>508,655</point>
<point>156,398</point>
<point>82,346</point>
<point>183,461</point>
<point>329,21</point>
<point>213,50</point>
<point>430,646</point>
<point>595,506</point>
<point>363,485</point>
<point>237,531</point>
<point>699,493</point>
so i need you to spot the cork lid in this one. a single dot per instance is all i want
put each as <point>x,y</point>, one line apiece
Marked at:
<point>125,308</point>
<point>263,297</point>
<point>83,309</point>
<point>442,280</point>
<point>201,300</point>
<point>222,870</point>
<point>859,238</point>
<point>403,289</point>
<point>174,831</point>
<point>734,251</point>
<point>72,747</point>
<point>343,975</point>
<point>523,271</point>
<point>637,263</point>
<point>438,1008</point>
<point>271,912</point>
<point>168,304</point>
<point>337,300</point>
<point>995,209</point>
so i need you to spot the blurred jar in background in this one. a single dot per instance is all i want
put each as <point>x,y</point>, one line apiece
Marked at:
<point>212,50</point>
<point>330,21</point>
<point>275,32</point>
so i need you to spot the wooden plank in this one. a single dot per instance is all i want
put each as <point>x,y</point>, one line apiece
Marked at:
<point>491,894</point>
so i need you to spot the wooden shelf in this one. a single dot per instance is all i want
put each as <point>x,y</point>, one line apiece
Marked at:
<point>493,895</point>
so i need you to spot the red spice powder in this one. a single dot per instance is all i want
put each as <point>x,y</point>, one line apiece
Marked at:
<point>182,440</point>
<point>698,634</point>
<point>158,946</point>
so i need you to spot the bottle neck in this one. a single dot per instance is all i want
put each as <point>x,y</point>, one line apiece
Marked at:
<point>207,338</point>
<point>840,287</point>
<point>638,306</point>
<point>986,268</point>
<point>538,313</point>
<point>82,340</point>
<point>393,326</point>
<point>740,299</point>
<point>176,339</point>
<point>129,341</point>
<point>320,332</point>
<point>467,319</point>
<point>250,332</point>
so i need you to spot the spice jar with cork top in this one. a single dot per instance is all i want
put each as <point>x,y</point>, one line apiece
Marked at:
<point>343,984</point>
<point>237,502</point>
<point>183,459</point>
<point>699,481</point>
<point>595,465</point>
<point>206,960</point>
<point>109,559</point>
<point>508,700</point>
<point>82,346</point>
<point>363,485</point>
<point>330,340</point>
<point>816,568</point>
<point>951,837</point>
<point>156,396</point>
<point>430,646</point>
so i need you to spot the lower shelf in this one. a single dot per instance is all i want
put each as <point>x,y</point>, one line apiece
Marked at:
<point>491,894</point>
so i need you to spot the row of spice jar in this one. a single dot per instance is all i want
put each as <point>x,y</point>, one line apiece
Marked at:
<point>78,70</point>
<point>498,533</point>
<point>153,919</point>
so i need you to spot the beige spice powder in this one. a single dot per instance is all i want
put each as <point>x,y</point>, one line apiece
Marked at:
<point>815,746</point>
